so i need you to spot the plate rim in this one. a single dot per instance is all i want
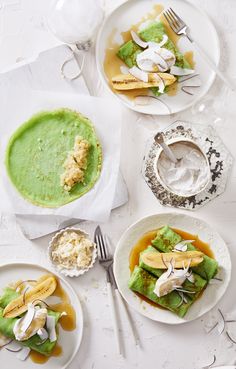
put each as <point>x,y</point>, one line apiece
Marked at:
<point>143,312</point>
<point>194,101</point>
<point>39,266</point>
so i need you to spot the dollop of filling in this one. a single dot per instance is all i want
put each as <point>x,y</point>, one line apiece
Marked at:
<point>189,175</point>
<point>75,164</point>
<point>30,323</point>
<point>172,280</point>
<point>72,250</point>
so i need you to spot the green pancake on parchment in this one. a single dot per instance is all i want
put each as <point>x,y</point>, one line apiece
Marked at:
<point>36,153</point>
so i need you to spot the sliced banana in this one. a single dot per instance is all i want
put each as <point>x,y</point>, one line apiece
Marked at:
<point>40,292</point>
<point>178,259</point>
<point>129,82</point>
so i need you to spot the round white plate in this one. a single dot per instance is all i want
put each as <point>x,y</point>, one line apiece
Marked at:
<point>68,340</point>
<point>212,293</point>
<point>202,30</point>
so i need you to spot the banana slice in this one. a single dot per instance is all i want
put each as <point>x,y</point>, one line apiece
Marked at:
<point>129,82</point>
<point>41,291</point>
<point>178,259</point>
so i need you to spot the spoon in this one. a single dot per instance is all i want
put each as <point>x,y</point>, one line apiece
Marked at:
<point>160,140</point>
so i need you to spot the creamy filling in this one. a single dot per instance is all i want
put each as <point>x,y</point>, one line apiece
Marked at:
<point>189,175</point>
<point>72,250</point>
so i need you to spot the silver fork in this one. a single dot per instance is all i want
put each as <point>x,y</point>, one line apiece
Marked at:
<point>106,260</point>
<point>181,29</point>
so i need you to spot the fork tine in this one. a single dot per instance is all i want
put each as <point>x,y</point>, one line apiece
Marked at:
<point>173,19</point>
<point>98,242</point>
<point>176,16</point>
<point>103,246</point>
<point>169,21</point>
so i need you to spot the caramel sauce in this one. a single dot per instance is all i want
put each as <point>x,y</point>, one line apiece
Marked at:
<point>189,56</point>
<point>67,322</point>
<point>199,244</point>
<point>140,246</point>
<point>112,62</point>
<point>173,89</point>
<point>145,241</point>
<point>38,358</point>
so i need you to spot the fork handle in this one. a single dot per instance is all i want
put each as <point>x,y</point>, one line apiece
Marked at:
<point>211,64</point>
<point>114,317</point>
<point>128,317</point>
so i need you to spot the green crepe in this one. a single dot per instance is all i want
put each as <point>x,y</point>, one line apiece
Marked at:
<point>7,324</point>
<point>144,283</point>
<point>154,32</point>
<point>37,151</point>
<point>197,286</point>
<point>165,241</point>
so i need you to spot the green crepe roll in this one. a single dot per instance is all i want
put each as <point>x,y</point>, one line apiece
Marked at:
<point>7,325</point>
<point>196,286</point>
<point>144,283</point>
<point>156,272</point>
<point>153,32</point>
<point>165,241</point>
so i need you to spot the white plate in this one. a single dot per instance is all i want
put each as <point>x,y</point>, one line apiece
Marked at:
<point>202,30</point>
<point>69,341</point>
<point>212,293</point>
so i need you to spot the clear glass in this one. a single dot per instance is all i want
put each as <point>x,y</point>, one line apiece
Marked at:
<point>75,21</point>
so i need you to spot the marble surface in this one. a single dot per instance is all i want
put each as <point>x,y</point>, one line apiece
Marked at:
<point>23,33</point>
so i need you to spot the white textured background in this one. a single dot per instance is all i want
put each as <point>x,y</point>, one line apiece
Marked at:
<point>23,33</point>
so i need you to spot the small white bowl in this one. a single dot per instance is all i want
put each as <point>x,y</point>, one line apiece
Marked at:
<point>194,143</point>
<point>71,272</point>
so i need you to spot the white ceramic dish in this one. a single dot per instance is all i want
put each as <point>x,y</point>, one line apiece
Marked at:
<point>71,272</point>
<point>70,341</point>
<point>210,296</point>
<point>192,142</point>
<point>202,30</point>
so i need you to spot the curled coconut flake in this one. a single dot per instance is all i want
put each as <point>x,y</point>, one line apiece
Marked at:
<point>23,354</point>
<point>216,281</point>
<point>124,69</point>
<point>183,245</point>
<point>212,328</point>
<point>149,60</point>
<point>190,277</point>
<point>168,56</point>
<point>230,338</point>
<point>221,323</point>
<point>23,323</point>
<point>161,85</point>
<point>42,342</point>
<point>181,295</point>
<point>24,293</point>
<point>210,365</point>
<point>26,281</point>
<point>139,74</point>
<point>181,80</point>
<point>183,290</point>
<point>138,40</point>
<point>177,71</point>
<point>51,328</point>
<point>14,347</point>
<point>42,333</point>
<point>41,303</point>
<point>186,89</point>
<point>164,40</point>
